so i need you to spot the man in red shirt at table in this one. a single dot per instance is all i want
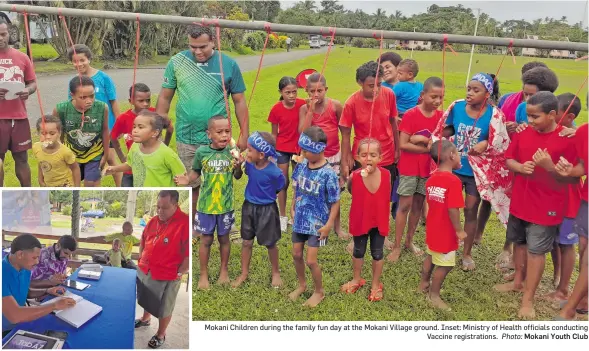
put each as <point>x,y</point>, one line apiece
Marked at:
<point>164,258</point>
<point>15,68</point>
<point>383,126</point>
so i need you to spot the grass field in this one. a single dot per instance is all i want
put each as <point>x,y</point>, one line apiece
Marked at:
<point>470,294</point>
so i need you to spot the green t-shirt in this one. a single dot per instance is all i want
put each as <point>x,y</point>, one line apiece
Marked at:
<point>216,171</point>
<point>200,92</point>
<point>157,169</point>
<point>86,143</point>
<point>127,243</point>
<point>115,258</point>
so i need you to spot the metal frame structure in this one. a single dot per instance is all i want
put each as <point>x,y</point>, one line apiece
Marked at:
<point>290,28</point>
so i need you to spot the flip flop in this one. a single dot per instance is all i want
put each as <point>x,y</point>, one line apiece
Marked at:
<point>155,342</point>
<point>352,288</point>
<point>558,318</point>
<point>139,323</point>
<point>581,311</point>
<point>373,294</point>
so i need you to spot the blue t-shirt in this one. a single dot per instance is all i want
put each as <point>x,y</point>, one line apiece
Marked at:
<point>521,116</point>
<point>105,91</point>
<point>463,127</point>
<point>16,284</point>
<point>407,94</point>
<point>263,184</point>
<point>315,191</point>
<point>387,85</point>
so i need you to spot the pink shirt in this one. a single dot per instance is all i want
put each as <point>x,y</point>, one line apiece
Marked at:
<point>15,66</point>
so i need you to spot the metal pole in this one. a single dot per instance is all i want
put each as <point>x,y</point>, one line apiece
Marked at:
<point>412,46</point>
<point>290,28</point>
<point>476,27</point>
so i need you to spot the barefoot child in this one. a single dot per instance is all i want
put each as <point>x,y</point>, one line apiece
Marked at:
<point>407,90</point>
<point>563,254</point>
<point>87,138</point>
<point>539,200</point>
<point>152,162</point>
<point>442,229</point>
<point>315,205</point>
<point>324,113</point>
<point>214,210</point>
<point>57,163</point>
<point>259,214</point>
<point>415,130</point>
<point>469,121</point>
<point>284,117</point>
<point>370,188</point>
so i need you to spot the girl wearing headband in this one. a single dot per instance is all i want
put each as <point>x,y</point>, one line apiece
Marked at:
<point>468,122</point>
<point>315,205</point>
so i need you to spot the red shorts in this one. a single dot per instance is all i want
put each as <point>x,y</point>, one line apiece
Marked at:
<point>16,135</point>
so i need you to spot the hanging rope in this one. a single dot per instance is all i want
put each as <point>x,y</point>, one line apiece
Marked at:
<point>268,32</point>
<point>136,63</point>
<point>218,32</point>
<point>572,101</point>
<point>332,32</point>
<point>376,85</point>
<point>26,19</point>
<point>63,21</point>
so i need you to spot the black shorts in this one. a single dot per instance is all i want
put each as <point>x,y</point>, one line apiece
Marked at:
<point>261,221</point>
<point>538,238</point>
<point>127,180</point>
<point>284,157</point>
<point>311,240</point>
<point>468,184</point>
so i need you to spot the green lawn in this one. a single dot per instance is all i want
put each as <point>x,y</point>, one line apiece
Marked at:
<point>470,294</point>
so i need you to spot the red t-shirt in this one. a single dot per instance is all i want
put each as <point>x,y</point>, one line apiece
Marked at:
<point>362,220</point>
<point>327,121</point>
<point>539,198</point>
<point>581,146</point>
<point>411,164</point>
<point>165,246</point>
<point>287,120</point>
<point>444,191</point>
<point>356,115</point>
<point>15,67</point>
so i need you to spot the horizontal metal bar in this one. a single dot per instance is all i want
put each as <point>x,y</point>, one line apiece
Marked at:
<point>290,28</point>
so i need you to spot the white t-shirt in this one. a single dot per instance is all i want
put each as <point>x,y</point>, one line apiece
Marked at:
<point>288,40</point>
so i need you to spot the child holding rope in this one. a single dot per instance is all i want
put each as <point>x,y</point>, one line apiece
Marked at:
<point>259,214</point>
<point>284,118</point>
<point>324,113</point>
<point>214,210</point>
<point>469,122</point>
<point>57,163</point>
<point>152,162</point>
<point>539,200</point>
<point>315,205</point>
<point>85,129</point>
<point>442,229</point>
<point>370,188</point>
<point>414,165</point>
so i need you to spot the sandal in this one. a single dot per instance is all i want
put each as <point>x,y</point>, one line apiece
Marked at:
<point>352,288</point>
<point>155,342</point>
<point>374,294</point>
<point>140,323</point>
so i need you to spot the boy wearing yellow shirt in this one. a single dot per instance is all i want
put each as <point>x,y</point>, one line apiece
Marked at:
<point>127,242</point>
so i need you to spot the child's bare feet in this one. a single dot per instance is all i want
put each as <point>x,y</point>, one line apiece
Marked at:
<point>414,248</point>
<point>276,281</point>
<point>556,280</point>
<point>437,302</point>
<point>240,280</point>
<point>223,278</point>
<point>394,255</point>
<point>508,287</point>
<point>297,292</point>
<point>423,287</point>
<point>555,296</point>
<point>203,284</point>
<point>342,235</point>
<point>388,244</point>
<point>509,277</point>
<point>468,264</point>
<point>315,299</point>
<point>527,312</point>
<point>350,247</point>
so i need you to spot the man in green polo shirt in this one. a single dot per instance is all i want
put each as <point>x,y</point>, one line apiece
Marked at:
<point>195,75</point>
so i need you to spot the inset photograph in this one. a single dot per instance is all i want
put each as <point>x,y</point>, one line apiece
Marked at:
<point>95,269</point>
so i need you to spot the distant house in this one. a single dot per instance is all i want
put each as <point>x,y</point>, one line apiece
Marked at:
<point>530,51</point>
<point>414,44</point>
<point>552,53</point>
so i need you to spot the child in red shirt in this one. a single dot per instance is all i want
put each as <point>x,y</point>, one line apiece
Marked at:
<point>577,302</point>
<point>140,100</point>
<point>539,197</point>
<point>563,253</point>
<point>442,228</point>
<point>370,188</point>
<point>416,128</point>
<point>284,117</point>
<point>324,113</point>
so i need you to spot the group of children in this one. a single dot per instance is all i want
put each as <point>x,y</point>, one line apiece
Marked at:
<point>437,157</point>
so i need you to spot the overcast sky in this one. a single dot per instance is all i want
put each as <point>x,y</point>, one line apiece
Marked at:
<point>501,10</point>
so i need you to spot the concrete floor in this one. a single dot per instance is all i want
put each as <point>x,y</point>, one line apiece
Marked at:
<point>178,330</point>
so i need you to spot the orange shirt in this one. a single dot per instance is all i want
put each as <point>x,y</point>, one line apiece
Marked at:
<point>165,246</point>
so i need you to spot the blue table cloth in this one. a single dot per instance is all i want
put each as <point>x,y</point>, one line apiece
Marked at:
<point>113,328</point>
